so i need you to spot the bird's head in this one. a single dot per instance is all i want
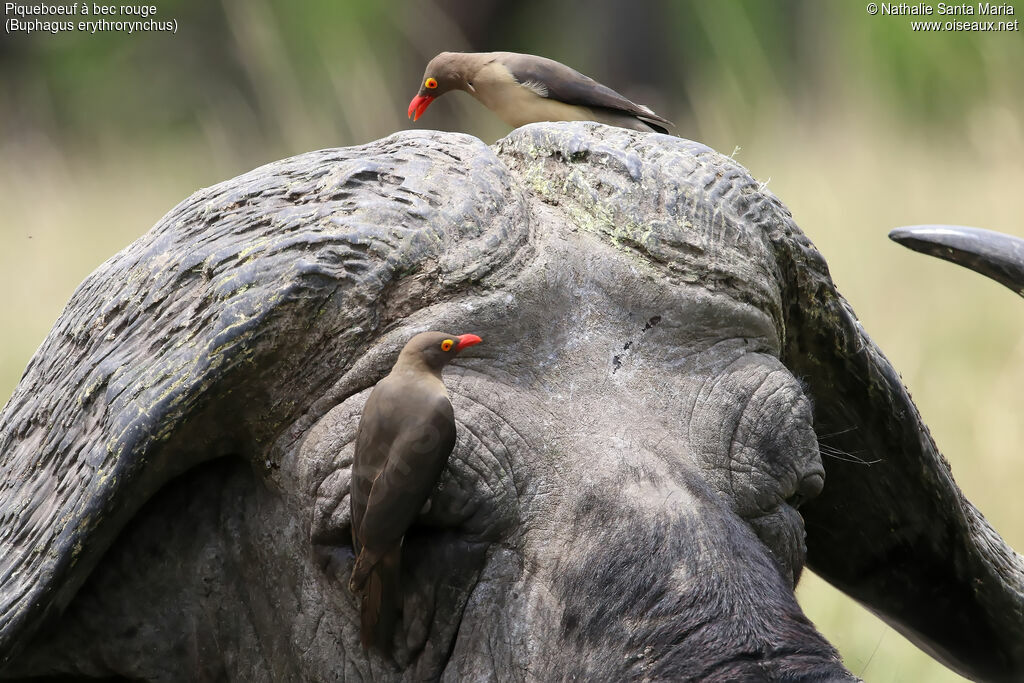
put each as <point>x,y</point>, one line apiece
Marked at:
<point>445,72</point>
<point>435,349</point>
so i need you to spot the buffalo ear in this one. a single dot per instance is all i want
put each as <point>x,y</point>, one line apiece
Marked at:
<point>993,254</point>
<point>893,530</point>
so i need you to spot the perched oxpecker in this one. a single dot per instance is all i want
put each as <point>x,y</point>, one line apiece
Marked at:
<point>406,433</point>
<point>523,89</point>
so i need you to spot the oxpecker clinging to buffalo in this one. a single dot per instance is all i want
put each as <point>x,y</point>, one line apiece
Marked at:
<point>406,433</point>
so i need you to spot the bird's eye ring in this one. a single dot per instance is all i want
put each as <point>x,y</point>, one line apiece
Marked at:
<point>447,345</point>
<point>430,83</point>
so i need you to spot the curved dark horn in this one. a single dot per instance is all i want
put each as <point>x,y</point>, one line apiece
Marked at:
<point>993,254</point>
<point>892,528</point>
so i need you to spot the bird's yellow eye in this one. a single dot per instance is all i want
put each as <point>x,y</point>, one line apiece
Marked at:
<point>447,345</point>
<point>431,83</point>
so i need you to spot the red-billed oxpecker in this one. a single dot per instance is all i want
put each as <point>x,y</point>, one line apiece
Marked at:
<point>523,89</point>
<point>406,433</point>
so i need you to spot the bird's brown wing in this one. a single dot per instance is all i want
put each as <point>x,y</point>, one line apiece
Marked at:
<point>418,455</point>
<point>555,80</point>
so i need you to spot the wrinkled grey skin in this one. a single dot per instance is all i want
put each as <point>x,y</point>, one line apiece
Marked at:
<point>635,434</point>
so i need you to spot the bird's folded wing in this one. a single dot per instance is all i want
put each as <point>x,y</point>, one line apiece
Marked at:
<point>554,80</point>
<point>414,465</point>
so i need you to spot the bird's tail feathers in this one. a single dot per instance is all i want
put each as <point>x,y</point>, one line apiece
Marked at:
<point>381,597</point>
<point>366,560</point>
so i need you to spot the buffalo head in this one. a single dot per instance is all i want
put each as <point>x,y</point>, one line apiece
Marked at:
<point>638,440</point>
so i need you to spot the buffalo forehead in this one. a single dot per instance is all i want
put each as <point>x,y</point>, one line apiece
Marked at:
<point>693,214</point>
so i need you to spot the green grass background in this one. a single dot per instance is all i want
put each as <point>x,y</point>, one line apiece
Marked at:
<point>857,123</point>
